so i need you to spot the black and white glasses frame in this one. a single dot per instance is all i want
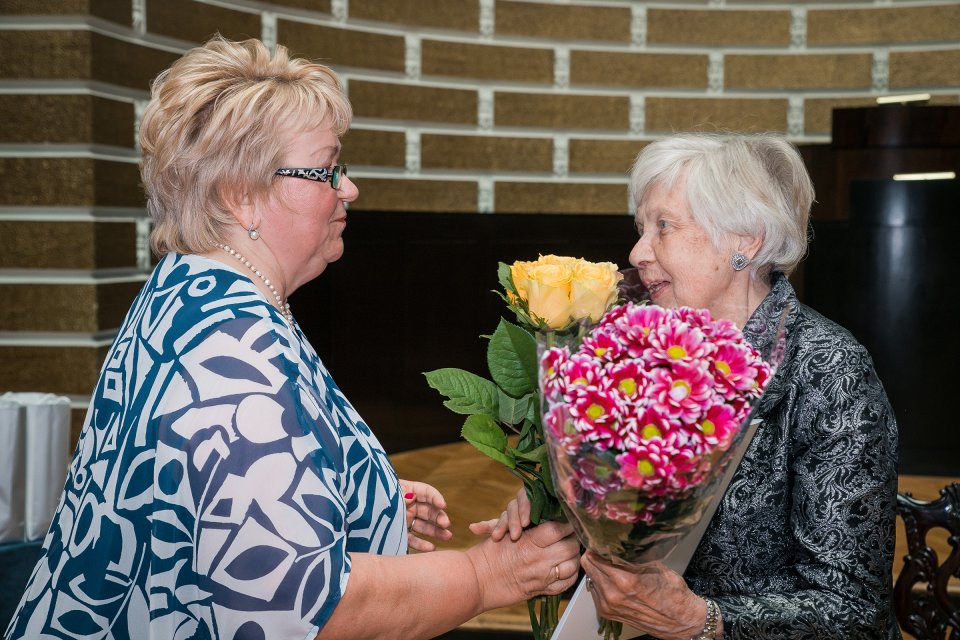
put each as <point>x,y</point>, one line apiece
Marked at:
<point>333,174</point>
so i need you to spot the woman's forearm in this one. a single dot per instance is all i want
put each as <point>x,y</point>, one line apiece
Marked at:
<point>416,596</point>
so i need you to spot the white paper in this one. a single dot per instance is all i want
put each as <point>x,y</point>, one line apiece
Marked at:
<point>579,620</point>
<point>12,478</point>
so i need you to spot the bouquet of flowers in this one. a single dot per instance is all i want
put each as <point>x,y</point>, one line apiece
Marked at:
<point>641,418</point>
<point>552,296</point>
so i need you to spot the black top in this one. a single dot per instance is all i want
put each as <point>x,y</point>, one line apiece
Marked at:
<point>802,543</point>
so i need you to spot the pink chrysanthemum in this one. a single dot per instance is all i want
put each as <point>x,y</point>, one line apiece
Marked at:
<point>596,416</point>
<point>603,346</point>
<point>718,426</point>
<point>734,368</point>
<point>627,379</point>
<point>635,325</point>
<point>550,367</point>
<point>675,341</point>
<point>580,370</point>
<point>597,475</point>
<point>649,468</point>
<point>556,422</point>
<point>681,391</point>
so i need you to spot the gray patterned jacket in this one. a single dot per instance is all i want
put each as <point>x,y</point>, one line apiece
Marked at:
<point>802,543</point>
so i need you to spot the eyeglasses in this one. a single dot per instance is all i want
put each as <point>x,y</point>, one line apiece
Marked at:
<point>333,173</point>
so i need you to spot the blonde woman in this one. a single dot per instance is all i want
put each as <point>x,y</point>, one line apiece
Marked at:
<point>223,486</point>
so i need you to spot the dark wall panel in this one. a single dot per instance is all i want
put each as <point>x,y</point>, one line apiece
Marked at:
<point>413,293</point>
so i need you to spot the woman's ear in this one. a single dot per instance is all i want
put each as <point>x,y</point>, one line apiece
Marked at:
<point>241,205</point>
<point>749,245</point>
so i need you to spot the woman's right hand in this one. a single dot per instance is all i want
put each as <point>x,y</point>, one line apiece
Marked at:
<point>544,561</point>
<point>515,518</point>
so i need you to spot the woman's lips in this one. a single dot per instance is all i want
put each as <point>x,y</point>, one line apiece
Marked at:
<point>656,287</point>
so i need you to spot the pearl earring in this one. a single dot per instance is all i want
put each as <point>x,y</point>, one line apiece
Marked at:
<point>253,233</point>
<point>739,261</point>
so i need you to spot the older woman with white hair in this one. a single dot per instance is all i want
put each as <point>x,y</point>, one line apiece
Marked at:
<point>801,545</point>
<point>802,542</point>
<point>223,486</point>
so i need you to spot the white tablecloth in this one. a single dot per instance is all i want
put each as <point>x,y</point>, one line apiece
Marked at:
<point>34,442</point>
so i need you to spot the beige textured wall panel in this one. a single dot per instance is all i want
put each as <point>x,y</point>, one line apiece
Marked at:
<point>69,182</point>
<point>376,148</point>
<point>486,153</point>
<point>383,194</point>
<point>547,197</point>
<point>45,55</point>
<point>925,68</point>
<point>66,307</point>
<point>560,111</point>
<point>669,115</point>
<point>460,15</point>
<point>486,62</point>
<point>65,119</point>
<point>114,10</point>
<point>604,156</point>
<point>565,22</point>
<point>49,307</point>
<point>71,370</point>
<point>817,112</point>
<point>67,245</point>
<point>798,71</point>
<point>718,27</point>
<point>408,102</point>
<point>640,70</point>
<point>167,18</point>
<point>322,6</point>
<point>883,25</point>
<point>117,184</point>
<point>342,47</point>
<point>127,64</point>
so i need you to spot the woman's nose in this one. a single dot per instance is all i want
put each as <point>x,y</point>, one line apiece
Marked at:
<point>348,190</point>
<point>641,252</point>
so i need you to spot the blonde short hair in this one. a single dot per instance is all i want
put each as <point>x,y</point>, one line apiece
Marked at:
<point>213,128</point>
<point>754,185</point>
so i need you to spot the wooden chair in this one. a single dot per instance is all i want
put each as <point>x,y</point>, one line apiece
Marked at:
<point>925,606</point>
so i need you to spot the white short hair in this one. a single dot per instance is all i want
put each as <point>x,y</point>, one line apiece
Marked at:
<point>753,185</point>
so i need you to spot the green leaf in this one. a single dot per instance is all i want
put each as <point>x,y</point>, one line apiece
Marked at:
<point>512,359</point>
<point>467,393</point>
<point>513,410</point>
<point>538,455</point>
<point>487,436</point>
<point>505,277</point>
<point>538,500</point>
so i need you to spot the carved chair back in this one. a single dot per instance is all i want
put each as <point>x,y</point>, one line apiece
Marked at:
<point>925,606</point>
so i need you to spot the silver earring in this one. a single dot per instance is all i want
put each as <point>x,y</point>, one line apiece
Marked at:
<point>739,261</point>
<point>253,233</point>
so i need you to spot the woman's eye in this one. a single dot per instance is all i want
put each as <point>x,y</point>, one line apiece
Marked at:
<point>661,224</point>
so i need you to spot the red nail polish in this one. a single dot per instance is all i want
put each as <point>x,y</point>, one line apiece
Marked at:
<point>408,496</point>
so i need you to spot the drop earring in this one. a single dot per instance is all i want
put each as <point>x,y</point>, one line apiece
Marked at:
<point>253,233</point>
<point>739,261</point>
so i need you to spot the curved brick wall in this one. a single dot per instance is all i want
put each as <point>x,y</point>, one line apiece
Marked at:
<point>462,106</point>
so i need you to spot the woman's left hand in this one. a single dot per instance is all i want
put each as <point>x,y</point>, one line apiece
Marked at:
<point>650,597</point>
<point>425,515</point>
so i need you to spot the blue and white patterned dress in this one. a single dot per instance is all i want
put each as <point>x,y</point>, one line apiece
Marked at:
<point>220,483</point>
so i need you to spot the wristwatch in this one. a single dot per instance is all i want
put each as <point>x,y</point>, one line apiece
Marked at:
<point>713,621</point>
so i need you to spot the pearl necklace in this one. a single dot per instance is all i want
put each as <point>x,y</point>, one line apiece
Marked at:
<point>282,305</point>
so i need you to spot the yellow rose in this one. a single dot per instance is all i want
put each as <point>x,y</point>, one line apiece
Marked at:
<point>560,260</point>
<point>548,293</point>
<point>593,289</point>
<point>518,271</point>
